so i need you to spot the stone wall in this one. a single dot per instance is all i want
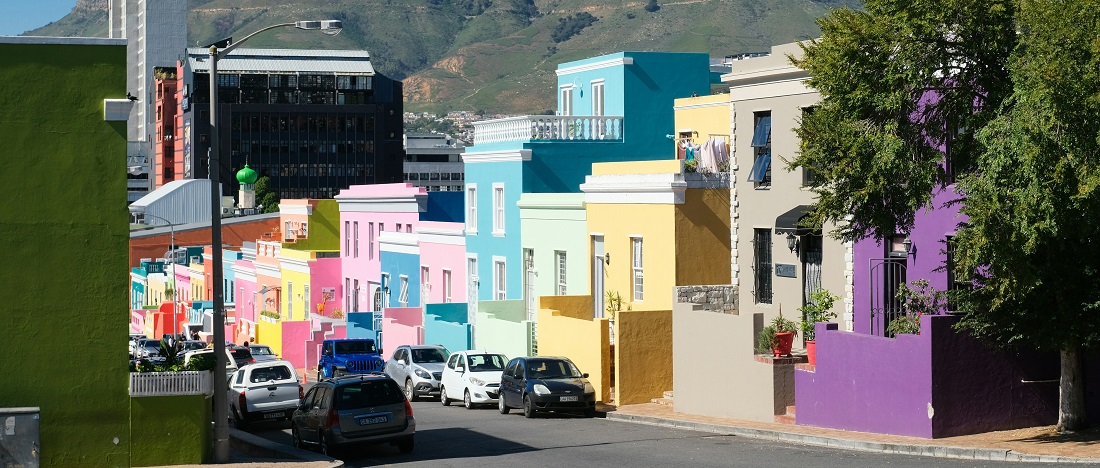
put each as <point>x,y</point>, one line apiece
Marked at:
<point>716,298</point>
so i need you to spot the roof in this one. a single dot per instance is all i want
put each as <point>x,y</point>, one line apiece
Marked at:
<point>285,61</point>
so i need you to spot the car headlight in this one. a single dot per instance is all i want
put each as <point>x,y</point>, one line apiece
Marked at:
<point>588,388</point>
<point>541,389</point>
<point>477,381</point>
<point>423,374</point>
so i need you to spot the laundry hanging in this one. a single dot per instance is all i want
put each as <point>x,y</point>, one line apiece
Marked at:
<point>712,155</point>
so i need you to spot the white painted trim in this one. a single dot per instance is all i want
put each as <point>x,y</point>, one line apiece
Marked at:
<point>442,232</point>
<point>268,270</point>
<point>621,61</point>
<point>241,273</point>
<point>664,188</point>
<point>497,156</point>
<point>296,209</point>
<point>399,242</point>
<point>414,204</point>
<point>294,264</point>
<point>471,221</point>
<point>703,105</point>
<point>503,208</point>
<point>444,239</point>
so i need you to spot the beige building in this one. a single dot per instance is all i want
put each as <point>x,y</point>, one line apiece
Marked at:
<point>776,263</point>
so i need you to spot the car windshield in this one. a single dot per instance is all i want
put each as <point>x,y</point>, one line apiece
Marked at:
<point>368,393</point>
<point>265,374</point>
<point>152,344</point>
<point>354,347</point>
<point>486,362</point>
<point>240,353</point>
<point>551,369</point>
<point>262,351</point>
<point>428,355</point>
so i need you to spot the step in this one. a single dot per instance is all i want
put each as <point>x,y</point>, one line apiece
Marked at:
<point>662,401</point>
<point>790,410</point>
<point>668,394</point>
<point>785,419</point>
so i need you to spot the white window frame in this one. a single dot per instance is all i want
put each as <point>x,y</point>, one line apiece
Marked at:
<point>560,271</point>
<point>347,294</point>
<point>305,299</point>
<point>446,285</point>
<point>386,285</point>
<point>347,238</point>
<point>471,209</point>
<point>290,300</point>
<point>598,103</point>
<point>370,240</point>
<point>355,243</point>
<point>498,209</point>
<point>565,98</point>
<point>500,278</point>
<point>638,277</point>
<point>403,297</point>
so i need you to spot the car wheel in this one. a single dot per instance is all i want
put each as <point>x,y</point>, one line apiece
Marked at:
<point>325,448</point>
<point>409,393</point>
<point>466,400</point>
<point>236,420</point>
<point>294,435</point>
<point>326,372</point>
<point>443,396</point>
<point>501,406</point>
<point>528,407</point>
<point>405,445</point>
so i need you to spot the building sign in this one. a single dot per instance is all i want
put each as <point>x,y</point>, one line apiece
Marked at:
<point>187,149</point>
<point>785,270</point>
<point>154,267</point>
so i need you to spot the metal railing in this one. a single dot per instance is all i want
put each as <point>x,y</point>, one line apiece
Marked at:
<point>549,127</point>
<point>170,383</point>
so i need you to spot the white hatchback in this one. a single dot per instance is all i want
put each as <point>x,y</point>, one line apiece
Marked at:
<point>473,377</point>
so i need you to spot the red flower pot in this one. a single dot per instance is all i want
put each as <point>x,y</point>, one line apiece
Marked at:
<point>784,341</point>
<point>811,352</point>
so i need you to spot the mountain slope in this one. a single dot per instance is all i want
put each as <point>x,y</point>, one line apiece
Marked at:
<point>496,56</point>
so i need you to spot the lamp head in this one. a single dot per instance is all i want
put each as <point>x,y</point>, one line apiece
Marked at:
<point>792,241</point>
<point>330,27</point>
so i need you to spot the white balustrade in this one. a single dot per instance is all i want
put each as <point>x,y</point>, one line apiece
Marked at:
<point>170,383</point>
<point>549,127</point>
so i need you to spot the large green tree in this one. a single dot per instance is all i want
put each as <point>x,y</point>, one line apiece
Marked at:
<point>1033,204</point>
<point>1012,88</point>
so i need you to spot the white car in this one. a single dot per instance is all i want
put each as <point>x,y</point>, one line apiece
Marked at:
<point>263,391</point>
<point>473,377</point>
<point>230,364</point>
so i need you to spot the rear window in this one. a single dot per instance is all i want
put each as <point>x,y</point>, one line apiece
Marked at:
<point>266,374</point>
<point>261,351</point>
<point>368,393</point>
<point>240,353</point>
<point>354,347</point>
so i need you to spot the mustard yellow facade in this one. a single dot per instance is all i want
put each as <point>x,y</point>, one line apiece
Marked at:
<point>643,355</point>
<point>567,328</point>
<point>702,117</point>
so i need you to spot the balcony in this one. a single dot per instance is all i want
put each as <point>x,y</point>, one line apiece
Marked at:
<point>549,128</point>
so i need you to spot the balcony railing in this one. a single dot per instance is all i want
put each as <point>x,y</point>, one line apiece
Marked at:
<point>170,383</point>
<point>549,128</point>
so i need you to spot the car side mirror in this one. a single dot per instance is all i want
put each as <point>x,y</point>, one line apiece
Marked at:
<point>400,362</point>
<point>584,375</point>
<point>460,369</point>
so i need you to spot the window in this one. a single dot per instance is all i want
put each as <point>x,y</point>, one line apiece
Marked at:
<point>810,177</point>
<point>398,229</point>
<point>559,260</point>
<point>305,301</point>
<point>566,104</point>
<point>347,238</point>
<point>447,286</point>
<point>409,228</point>
<point>471,209</point>
<point>954,285</point>
<point>498,209</point>
<point>761,174</point>
<point>403,298</point>
<point>636,266</point>
<point>347,294</point>
<point>500,271</point>
<point>762,264</point>
<point>385,302</point>
<point>370,240</point>
<point>289,301</point>
<point>425,286</point>
<point>355,234</point>
<point>597,98</point>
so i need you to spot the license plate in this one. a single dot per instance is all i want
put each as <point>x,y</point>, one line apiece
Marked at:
<point>373,420</point>
<point>274,415</point>
<point>568,398</point>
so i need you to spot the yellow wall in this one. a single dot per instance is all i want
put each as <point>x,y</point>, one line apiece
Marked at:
<point>585,341</point>
<point>654,223</point>
<point>643,356</point>
<point>663,166</point>
<point>154,289</point>
<point>270,334</point>
<point>295,302</point>
<point>703,253</point>
<point>706,115</point>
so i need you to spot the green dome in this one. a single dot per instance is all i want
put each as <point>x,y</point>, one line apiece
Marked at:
<point>247,176</point>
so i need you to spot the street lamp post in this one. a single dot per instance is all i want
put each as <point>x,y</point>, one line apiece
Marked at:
<point>221,408</point>
<point>175,292</point>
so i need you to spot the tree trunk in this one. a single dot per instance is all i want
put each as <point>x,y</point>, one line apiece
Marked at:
<point>1071,392</point>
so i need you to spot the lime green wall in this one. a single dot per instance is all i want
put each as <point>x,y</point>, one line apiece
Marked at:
<point>551,222</point>
<point>501,327</point>
<point>170,430</point>
<point>65,230</point>
<point>324,228</point>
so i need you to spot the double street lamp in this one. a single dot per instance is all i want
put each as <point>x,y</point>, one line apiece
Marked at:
<point>218,51</point>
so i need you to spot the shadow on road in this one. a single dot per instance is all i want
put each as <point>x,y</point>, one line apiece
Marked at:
<point>436,444</point>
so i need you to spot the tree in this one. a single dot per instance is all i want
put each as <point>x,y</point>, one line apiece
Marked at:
<point>265,196</point>
<point>1013,88</point>
<point>1031,238</point>
<point>652,6</point>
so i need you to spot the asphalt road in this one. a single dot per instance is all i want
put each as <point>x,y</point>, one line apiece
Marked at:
<point>455,436</point>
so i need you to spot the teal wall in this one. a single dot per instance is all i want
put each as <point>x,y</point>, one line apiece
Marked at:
<point>445,324</point>
<point>501,327</point>
<point>170,430</point>
<point>65,271</point>
<point>361,325</point>
<point>556,222</point>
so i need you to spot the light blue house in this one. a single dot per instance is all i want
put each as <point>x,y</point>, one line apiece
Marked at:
<point>399,255</point>
<point>616,107</point>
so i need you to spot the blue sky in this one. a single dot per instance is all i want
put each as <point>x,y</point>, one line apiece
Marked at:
<point>24,15</point>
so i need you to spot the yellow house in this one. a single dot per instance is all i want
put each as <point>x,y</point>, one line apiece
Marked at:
<point>698,119</point>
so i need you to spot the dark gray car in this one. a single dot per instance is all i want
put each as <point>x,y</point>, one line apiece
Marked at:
<point>354,409</point>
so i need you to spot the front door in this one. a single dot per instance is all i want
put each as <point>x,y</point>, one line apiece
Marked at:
<point>529,283</point>
<point>598,257</point>
<point>811,266</point>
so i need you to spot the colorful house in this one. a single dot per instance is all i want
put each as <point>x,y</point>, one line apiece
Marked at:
<point>554,237</point>
<point>443,261</point>
<point>247,304</point>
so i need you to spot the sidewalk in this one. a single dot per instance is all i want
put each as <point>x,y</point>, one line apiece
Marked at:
<point>252,451</point>
<point>1038,444</point>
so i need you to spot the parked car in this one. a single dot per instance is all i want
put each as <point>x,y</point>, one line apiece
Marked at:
<point>267,391</point>
<point>230,364</point>
<point>348,356</point>
<point>242,356</point>
<point>418,368</point>
<point>149,350</point>
<point>134,339</point>
<point>472,375</point>
<point>354,409</point>
<point>262,353</point>
<point>191,345</point>
<point>538,384</point>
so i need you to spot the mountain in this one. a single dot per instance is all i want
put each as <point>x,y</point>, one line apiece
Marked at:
<point>493,56</point>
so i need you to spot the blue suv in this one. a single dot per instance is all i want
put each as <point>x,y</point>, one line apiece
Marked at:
<point>349,356</point>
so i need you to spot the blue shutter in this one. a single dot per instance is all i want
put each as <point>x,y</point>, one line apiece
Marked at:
<point>760,167</point>
<point>763,131</point>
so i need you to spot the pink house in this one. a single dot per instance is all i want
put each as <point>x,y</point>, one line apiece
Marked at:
<point>366,211</point>
<point>443,258</point>
<point>248,303</point>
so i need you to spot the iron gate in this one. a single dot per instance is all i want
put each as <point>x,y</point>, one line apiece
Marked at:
<point>885,275</point>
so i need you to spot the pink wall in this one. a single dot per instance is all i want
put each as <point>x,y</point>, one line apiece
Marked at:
<point>443,246</point>
<point>246,309</point>
<point>295,333</point>
<point>384,205</point>
<point>322,330</point>
<point>402,326</point>
<point>325,273</point>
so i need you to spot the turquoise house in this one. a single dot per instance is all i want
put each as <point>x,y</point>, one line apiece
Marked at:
<point>615,107</point>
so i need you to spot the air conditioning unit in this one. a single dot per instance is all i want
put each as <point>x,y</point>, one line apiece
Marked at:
<point>227,211</point>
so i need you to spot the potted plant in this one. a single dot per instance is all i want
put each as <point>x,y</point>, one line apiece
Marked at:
<point>919,300</point>
<point>778,337</point>
<point>819,309</point>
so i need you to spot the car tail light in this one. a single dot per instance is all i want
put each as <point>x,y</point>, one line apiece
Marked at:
<point>333,418</point>
<point>301,392</point>
<point>241,403</point>
<point>408,409</point>
<point>251,360</point>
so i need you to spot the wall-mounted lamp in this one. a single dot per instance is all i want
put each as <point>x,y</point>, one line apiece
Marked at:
<point>792,242</point>
<point>607,258</point>
<point>908,244</point>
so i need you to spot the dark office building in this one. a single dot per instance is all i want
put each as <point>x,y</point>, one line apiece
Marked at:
<point>314,121</point>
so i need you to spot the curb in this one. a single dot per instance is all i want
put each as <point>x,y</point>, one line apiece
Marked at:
<point>942,451</point>
<point>255,445</point>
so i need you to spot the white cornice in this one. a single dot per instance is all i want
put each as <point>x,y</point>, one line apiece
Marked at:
<point>555,204</point>
<point>400,204</point>
<point>399,242</point>
<point>667,189</point>
<point>268,270</point>
<point>294,264</point>
<point>446,239</point>
<point>702,105</point>
<point>296,209</point>
<point>615,62</point>
<point>497,156</point>
<point>244,273</point>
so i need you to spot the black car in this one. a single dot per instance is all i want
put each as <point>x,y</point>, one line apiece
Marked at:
<point>539,384</point>
<point>242,356</point>
<point>354,409</point>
